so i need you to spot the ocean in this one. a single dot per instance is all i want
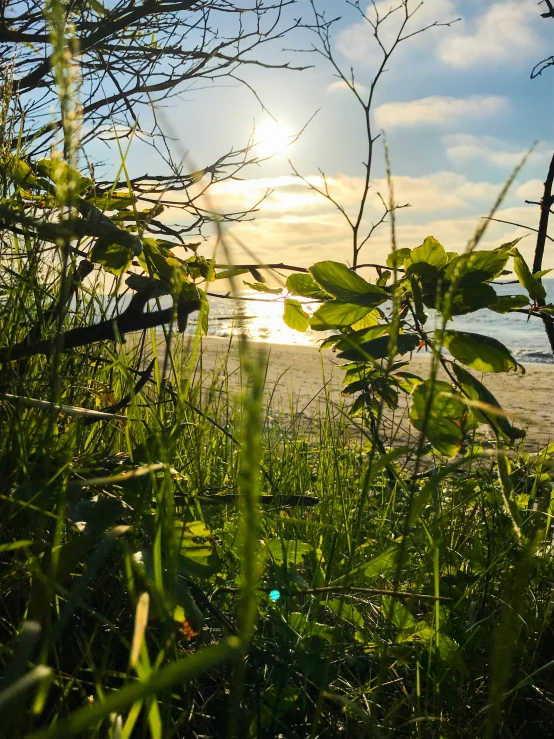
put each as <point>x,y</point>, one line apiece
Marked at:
<point>261,317</point>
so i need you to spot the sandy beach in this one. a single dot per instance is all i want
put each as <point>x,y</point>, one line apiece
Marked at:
<point>299,376</point>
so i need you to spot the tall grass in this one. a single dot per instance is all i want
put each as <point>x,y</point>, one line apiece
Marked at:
<point>94,515</point>
<point>165,574</point>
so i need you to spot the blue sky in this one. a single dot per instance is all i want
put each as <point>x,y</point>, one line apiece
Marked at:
<point>457,105</point>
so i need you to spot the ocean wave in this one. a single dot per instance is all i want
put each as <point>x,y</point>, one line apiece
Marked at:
<point>534,356</point>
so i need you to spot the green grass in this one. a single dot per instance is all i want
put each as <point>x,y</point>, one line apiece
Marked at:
<point>469,653</point>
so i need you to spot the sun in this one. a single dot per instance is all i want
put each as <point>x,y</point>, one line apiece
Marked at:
<point>272,138</point>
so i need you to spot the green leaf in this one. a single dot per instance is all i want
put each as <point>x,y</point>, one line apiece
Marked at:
<point>288,551</point>
<point>113,201</point>
<point>261,288</point>
<point>113,256</point>
<point>197,549</point>
<point>384,278</point>
<point>185,605</point>
<point>379,348</point>
<point>354,339</point>
<point>383,564</point>
<point>348,613</point>
<point>57,169</point>
<point>233,272</point>
<point>471,296</point>
<point>481,265</point>
<point>159,261</point>
<point>477,391</point>
<point>294,316</point>
<point>479,352</point>
<point>407,381</point>
<point>310,628</point>
<point>143,282</point>
<point>306,286</point>
<point>337,315</point>
<point>442,424</point>
<point>21,174</point>
<point>187,293</point>
<point>368,321</point>
<point>347,286</point>
<point>397,258</point>
<point>507,303</point>
<point>426,261</point>
<point>397,613</point>
<point>274,704</point>
<point>533,286</point>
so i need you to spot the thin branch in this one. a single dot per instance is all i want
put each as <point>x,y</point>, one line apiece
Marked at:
<point>518,225</point>
<point>347,589</point>
<point>287,267</point>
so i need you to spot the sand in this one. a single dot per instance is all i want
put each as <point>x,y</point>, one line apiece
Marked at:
<point>296,376</point>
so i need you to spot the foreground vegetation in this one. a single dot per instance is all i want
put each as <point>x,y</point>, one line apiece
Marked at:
<point>148,591</point>
<point>176,561</point>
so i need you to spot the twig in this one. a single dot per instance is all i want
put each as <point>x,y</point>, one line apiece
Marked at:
<point>124,402</point>
<point>518,225</point>
<point>280,501</point>
<point>288,267</point>
<point>70,410</point>
<point>342,589</point>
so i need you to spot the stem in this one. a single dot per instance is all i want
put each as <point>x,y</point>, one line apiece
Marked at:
<point>546,204</point>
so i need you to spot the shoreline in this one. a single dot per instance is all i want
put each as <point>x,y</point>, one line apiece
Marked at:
<point>266,342</point>
<point>299,376</point>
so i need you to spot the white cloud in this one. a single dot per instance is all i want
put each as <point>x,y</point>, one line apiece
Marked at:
<point>301,227</point>
<point>506,33</point>
<point>341,86</point>
<point>439,110</point>
<point>503,32</point>
<point>531,190</point>
<point>309,238</point>
<point>290,196</point>
<point>463,147</point>
<point>357,43</point>
<point>442,190</point>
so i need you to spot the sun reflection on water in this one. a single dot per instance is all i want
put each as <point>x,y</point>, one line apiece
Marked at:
<point>260,317</point>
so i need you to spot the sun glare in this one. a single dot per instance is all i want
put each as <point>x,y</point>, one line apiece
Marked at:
<point>272,138</point>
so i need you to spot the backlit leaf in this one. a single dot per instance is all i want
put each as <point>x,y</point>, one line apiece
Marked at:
<point>477,391</point>
<point>337,315</point>
<point>260,287</point>
<point>479,352</point>
<point>306,286</point>
<point>471,296</point>
<point>288,551</point>
<point>112,255</point>
<point>379,348</point>
<point>507,303</point>
<point>439,413</point>
<point>345,285</point>
<point>397,258</point>
<point>426,260</point>
<point>294,316</point>
<point>481,265</point>
<point>531,284</point>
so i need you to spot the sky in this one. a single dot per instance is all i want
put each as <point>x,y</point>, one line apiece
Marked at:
<point>457,107</point>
